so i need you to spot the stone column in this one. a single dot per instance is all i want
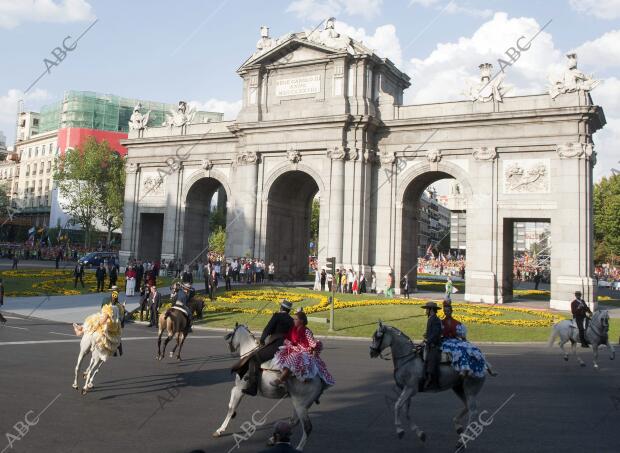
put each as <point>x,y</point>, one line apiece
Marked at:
<point>129,243</point>
<point>240,221</point>
<point>336,204</point>
<point>572,265</point>
<point>483,271</point>
<point>171,239</point>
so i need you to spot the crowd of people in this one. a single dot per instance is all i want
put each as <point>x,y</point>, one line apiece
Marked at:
<point>344,281</point>
<point>452,265</point>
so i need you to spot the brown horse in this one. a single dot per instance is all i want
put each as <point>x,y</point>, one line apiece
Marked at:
<point>174,323</point>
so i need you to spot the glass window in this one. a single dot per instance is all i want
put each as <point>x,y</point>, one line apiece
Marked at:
<point>51,148</point>
<point>34,169</point>
<point>43,150</point>
<point>49,166</point>
<point>36,151</point>
<point>27,170</point>
<point>29,152</point>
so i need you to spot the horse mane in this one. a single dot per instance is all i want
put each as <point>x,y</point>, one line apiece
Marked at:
<point>399,333</point>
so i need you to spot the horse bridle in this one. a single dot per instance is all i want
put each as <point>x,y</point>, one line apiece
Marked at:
<point>379,351</point>
<point>229,338</point>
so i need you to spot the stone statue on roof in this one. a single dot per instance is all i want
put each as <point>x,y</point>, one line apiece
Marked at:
<point>572,79</point>
<point>138,121</point>
<point>329,37</point>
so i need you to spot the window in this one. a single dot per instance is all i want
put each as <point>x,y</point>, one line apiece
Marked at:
<point>51,148</point>
<point>29,152</point>
<point>34,169</point>
<point>41,168</point>
<point>49,166</point>
<point>57,150</point>
<point>43,150</point>
<point>36,151</point>
<point>35,121</point>
<point>27,170</point>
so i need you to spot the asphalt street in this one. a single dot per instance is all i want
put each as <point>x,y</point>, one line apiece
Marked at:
<point>142,405</point>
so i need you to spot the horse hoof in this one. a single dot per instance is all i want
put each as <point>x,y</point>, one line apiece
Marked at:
<point>460,430</point>
<point>422,436</point>
<point>596,366</point>
<point>84,392</point>
<point>171,355</point>
<point>566,359</point>
<point>233,415</point>
<point>271,442</point>
<point>582,365</point>
<point>217,434</point>
<point>75,386</point>
<point>400,433</point>
<point>90,386</point>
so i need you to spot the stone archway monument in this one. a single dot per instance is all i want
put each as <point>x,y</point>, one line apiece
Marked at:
<point>323,113</point>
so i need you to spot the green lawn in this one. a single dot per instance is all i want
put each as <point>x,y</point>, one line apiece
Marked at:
<point>362,321</point>
<point>54,282</point>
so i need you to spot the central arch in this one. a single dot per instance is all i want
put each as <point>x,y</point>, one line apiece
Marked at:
<point>410,189</point>
<point>289,211</point>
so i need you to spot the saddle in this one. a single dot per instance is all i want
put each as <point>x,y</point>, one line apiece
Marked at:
<point>446,357</point>
<point>183,310</point>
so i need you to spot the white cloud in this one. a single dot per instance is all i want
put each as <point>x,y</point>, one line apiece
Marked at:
<point>322,9</point>
<point>13,13</point>
<point>425,3</point>
<point>603,9</point>
<point>442,75</point>
<point>601,53</point>
<point>229,109</point>
<point>384,41</point>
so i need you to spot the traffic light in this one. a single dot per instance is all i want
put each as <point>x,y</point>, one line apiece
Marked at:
<point>331,265</point>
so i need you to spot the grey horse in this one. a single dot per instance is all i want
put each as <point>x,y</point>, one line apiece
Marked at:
<point>302,394</point>
<point>596,334</point>
<point>409,376</point>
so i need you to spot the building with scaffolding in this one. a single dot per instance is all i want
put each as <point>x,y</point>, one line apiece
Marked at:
<point>68,123</point>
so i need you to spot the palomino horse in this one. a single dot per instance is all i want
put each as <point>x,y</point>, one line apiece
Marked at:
<point>409,375</point>
<point>302,394</point>
<point>88,344</point>
<point>596,334</point>
<point>174,323</point>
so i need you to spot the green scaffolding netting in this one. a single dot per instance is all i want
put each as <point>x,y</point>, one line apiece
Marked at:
<point>87,109</point>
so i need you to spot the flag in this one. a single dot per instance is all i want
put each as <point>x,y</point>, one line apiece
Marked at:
<point>31,231</point>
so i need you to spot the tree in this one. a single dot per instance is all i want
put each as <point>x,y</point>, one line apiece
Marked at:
<point>217,241</point>
<point>606,202</point>
<point>110,209</point>
<point>91,181</point>
<point>314,222</point>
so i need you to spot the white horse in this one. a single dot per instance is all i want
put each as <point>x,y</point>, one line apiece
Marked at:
<point>302,394</point>
<point>409,374</point>
<point>88,344</point>
<point>596,334</point>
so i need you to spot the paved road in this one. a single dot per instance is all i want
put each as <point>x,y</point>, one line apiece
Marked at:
<point>141,405</point>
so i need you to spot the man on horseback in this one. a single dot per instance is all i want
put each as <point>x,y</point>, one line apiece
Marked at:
<point>580,311</point>
<point>182,302</point>
<point>270,341</point>
<point>433,346</point>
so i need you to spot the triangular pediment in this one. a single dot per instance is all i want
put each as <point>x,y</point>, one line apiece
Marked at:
<point>291,50</point>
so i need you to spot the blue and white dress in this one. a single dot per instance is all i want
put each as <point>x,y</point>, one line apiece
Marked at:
<point>467,359</point>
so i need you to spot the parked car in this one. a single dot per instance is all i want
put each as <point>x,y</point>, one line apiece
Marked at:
<point>615,286</point>
<point>604,284</point>
<point>94,259</point>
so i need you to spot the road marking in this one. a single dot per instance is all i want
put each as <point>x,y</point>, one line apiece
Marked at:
<point>13,327</point>
<point>67,334</point>
<point>77,340</point>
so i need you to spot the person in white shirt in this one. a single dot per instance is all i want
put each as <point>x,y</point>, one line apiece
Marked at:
<point>272,271</point>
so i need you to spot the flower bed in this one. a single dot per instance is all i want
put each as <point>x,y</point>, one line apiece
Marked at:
<point>243,302</point>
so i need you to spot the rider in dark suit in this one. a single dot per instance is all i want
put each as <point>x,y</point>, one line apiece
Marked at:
<point>580,310</point>
<point>270,341</point>
<point>433,346</point>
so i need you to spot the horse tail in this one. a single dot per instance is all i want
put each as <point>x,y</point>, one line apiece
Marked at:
<point>553,336</point>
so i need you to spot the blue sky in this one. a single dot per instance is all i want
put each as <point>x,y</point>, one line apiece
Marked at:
<point>189,49</point>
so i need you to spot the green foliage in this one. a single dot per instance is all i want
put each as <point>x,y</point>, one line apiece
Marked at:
<point>606,202</point>
<point>91,178</point>
<point>217,241</point>
<point>314,222</point>
<point>217,219</point>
